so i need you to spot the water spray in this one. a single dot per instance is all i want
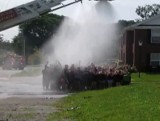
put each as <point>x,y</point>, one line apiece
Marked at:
<point>85,38</point>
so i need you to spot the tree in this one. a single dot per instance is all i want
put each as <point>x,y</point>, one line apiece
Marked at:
<point>123,24</point>
<point>35,33</point>
<point>5,47</point>
<point>18,44</point>
<point>148,11</point>
<point>38,31</point>
<point>35,58</point>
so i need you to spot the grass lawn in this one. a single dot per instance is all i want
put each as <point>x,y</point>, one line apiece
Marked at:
<point>138,102</point>
<point>145,77</point>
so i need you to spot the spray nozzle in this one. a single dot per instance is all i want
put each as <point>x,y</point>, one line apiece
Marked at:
<point>79,1</point>
<point>102,0</point>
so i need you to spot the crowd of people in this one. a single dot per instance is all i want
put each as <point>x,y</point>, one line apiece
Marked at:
<point>76,78</point>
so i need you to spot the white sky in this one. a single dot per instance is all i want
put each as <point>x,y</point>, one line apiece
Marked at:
<point>125,9</point>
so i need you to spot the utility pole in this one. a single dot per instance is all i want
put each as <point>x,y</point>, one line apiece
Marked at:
<point>24,48</point>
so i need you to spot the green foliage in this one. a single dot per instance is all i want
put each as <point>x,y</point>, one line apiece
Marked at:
<point>18,44</point>
<point>127,79</point>
<point>137,102</point>
<point>5,47</point>
<point>35,58</point>
<point>122,24</point>
<point>40,30</point>
<point>35,33</point>
<point>125,23</point>
<point>148,11</point>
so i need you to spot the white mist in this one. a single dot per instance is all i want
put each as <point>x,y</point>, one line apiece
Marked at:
<point>86,38</point>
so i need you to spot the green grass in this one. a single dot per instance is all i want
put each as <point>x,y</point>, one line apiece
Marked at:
<point>138,102</point>
<point>145,77</point>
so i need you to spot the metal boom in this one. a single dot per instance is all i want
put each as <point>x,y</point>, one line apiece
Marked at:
<point>31,10</point>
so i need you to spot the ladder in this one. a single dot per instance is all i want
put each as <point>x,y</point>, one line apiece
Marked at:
<point>28,11</point>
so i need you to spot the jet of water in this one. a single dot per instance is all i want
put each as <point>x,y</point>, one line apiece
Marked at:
<point>87,38</point>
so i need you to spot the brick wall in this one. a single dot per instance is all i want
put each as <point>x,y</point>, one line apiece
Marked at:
<point>136,55</point>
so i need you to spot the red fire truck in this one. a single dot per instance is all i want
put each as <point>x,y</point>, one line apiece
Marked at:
<point>13,61</point>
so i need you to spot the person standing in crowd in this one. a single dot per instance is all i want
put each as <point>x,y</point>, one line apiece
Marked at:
<point>110,78</point>
<point>83,78</point>
<point>45,81</point>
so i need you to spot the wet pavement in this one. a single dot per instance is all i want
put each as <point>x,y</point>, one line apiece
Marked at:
<point>23,87</point>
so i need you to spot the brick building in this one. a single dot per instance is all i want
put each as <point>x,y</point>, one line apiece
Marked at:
<point>140,44</point>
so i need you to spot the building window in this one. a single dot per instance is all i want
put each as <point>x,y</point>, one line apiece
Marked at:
<point>155,36</point>
<point>155,59</point>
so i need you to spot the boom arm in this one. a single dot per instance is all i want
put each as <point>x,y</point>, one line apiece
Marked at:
<point>22,13</point>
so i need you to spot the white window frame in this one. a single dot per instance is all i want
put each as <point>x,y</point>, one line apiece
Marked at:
<point>155,33</point>
<point>155,60</point>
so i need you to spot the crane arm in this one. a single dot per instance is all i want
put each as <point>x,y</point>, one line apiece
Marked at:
<point>31,10</point>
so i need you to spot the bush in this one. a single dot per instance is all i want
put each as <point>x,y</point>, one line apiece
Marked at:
<point>35,58</point>
<point>126,79</point>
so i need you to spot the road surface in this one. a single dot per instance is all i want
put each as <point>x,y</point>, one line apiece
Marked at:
<point>23,98</point>
<point>23,86</point>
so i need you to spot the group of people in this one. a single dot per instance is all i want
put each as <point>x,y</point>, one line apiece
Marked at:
<point>76,78</point>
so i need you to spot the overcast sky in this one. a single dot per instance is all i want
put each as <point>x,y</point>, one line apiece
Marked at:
<point>125,9</point>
